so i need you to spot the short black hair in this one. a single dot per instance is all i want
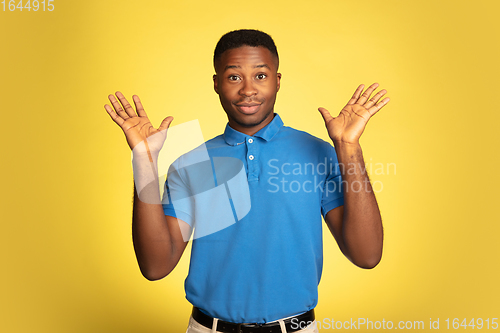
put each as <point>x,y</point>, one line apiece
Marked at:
<point>244,37</point>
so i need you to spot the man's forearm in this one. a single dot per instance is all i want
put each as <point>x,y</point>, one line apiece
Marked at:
<point>158,241</point>
<point>153,241</point>
<point>362,232</point>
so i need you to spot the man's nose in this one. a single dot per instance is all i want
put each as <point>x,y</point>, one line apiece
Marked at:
<point>248,88</point>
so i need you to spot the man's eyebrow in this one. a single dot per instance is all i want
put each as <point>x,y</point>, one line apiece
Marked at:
<point>256,66</point>
<point>260,66</point>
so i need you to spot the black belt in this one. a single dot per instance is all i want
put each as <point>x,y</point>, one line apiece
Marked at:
<point>293,324</point>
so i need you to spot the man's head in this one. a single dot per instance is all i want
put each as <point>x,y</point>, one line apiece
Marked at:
<point>247,79</point>
<point>244,37</point>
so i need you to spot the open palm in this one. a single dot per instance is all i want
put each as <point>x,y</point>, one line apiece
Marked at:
<point>136,126</point>
<point>348,126</point>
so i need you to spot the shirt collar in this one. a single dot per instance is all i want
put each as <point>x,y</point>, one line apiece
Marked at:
<point>234,137</point>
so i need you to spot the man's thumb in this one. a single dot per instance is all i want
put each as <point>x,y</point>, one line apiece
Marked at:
<point>326,114</point>
<point>165,123</point>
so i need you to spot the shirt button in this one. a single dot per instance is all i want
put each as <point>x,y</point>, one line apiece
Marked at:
<point>250,140</point>
<point>250,157</point>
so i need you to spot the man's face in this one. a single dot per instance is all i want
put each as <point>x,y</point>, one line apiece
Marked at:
<point>247,82</point>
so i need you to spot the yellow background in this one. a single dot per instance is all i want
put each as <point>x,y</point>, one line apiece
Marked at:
<point>66,251</point>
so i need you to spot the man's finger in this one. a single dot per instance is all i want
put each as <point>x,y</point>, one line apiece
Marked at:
<point>356,94</point>
<point>118,107</point>
<point>138,106</point>
<point>165,123</point>
<point>128,108</point>
<point>375,99</point>
<point>326,115</point>
<point>364,97</point>
<point>374,109</point>
<point>117,119</point>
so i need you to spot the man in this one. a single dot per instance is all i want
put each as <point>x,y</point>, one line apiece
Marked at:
<point>259,274</point>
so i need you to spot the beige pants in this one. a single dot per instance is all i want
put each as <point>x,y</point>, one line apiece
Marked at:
<point>195,327</point>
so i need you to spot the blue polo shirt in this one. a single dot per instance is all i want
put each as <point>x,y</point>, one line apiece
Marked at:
<point>255,203</point>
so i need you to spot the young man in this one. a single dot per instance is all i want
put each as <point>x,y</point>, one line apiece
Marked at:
<point>260,272</point>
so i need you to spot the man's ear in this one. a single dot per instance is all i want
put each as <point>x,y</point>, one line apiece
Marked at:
<point>215,84</point>
<point>278,81</point>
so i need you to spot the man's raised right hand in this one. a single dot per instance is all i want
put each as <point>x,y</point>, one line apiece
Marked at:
<point>136,126</point>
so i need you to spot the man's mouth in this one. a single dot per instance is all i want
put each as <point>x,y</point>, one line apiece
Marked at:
<point>248,108</point>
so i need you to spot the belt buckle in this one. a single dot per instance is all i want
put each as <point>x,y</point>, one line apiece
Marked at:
<point>255,327</point>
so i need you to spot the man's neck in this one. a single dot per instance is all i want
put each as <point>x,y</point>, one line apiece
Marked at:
<point>251,130</point>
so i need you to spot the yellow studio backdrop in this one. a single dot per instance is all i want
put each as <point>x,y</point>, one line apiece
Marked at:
<point>66,251</point>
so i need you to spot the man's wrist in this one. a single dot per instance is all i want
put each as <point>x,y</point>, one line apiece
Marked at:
<point>146,178</point>
<point>347,149</point>
<point>145,156</point>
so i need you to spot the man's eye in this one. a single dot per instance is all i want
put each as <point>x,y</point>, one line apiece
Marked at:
<point>234,77</point>
<point>261,76</point>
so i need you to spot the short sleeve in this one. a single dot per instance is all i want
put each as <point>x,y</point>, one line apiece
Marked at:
<point>333,194</point>
<point>207,194</point>
<point>177,198</point>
